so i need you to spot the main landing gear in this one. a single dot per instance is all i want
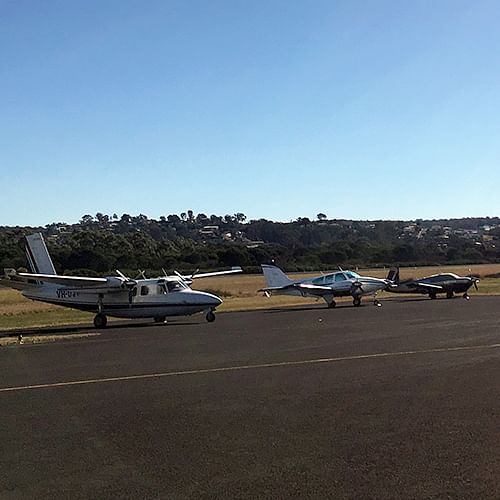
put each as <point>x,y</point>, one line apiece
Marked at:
<point>100,321</point>
<point>356,301</point>
<point>466,296</point>
<point>331,304</point>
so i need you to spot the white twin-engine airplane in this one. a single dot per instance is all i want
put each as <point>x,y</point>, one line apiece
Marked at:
<point>327,287</point>
<point>117,296</point>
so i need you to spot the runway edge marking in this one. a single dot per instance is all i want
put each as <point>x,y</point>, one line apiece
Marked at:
<point>247,367</point>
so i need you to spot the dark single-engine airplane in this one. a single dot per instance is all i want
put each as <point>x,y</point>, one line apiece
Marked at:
<point>338,284</point>
<point>117,296</point>
<point>448,283</point>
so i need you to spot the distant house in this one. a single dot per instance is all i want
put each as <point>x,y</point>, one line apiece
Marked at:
<point>211,231</point>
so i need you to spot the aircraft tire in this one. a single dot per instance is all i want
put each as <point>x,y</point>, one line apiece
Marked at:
<point>332,304</point>
<point>100,321</point>
<point>449,295</point>
<point>159,319</point>
<point>210,317</point>
<point>433,296</point>
<point>356,302</point>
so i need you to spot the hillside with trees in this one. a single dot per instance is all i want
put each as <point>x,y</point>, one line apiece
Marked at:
<point>98,244</point>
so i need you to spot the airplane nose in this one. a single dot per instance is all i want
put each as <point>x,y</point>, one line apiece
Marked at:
<point>214,300</point>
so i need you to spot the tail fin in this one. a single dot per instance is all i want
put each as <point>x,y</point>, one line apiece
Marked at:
<point>38,256</point>
<point>394,275</point>
<point>275,277</point>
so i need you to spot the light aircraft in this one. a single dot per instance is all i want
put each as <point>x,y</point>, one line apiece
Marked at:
<point>117,296</point>
<point>338,284</point>
<point>448,283</point>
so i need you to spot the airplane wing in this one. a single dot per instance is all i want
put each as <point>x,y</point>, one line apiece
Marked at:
<point>427,286</point>
<point>188,278</point>
<point>314,289</point>
<point>233,270</point>
<point>76,281</point>
<point>305,287</point>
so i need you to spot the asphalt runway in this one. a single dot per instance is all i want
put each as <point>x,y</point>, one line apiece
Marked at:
<point>395,402</point>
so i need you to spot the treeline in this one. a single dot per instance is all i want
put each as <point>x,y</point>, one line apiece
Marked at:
<point>102,243</point>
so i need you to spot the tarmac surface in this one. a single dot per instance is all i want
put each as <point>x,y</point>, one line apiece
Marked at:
<point>400,401</point>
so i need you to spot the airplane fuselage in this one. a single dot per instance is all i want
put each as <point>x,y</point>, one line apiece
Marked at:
<point>150,298</point>
<point>343,287</point>
<point>460,285</point>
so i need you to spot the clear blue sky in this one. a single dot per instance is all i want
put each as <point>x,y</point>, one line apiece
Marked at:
<point>277,109</point>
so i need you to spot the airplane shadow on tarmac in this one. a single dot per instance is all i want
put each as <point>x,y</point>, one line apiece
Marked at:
<point>348,305</point>
<point>68,329</point>
<point>314,308</point>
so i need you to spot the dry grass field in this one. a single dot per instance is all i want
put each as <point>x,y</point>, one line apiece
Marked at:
<point>239,292</point>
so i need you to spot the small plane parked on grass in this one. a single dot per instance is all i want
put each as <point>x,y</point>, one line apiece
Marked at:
<point>117,296</point>
<point>338,284</point>
<point>448,283</point>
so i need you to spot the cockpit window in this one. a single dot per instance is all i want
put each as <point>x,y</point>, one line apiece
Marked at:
<point>340,277</point>
<point>318,281</point>
<point>352,275</point>
<point>175,285</point>
<point>440,277</point>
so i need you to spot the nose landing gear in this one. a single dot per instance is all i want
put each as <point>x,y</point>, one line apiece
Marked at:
<point>210,317</point>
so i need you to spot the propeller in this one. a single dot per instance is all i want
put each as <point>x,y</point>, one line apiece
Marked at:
<point>187,279</point>
<point>356,285</point>
<point>475,279</point>
<point>179,275</point>
<point>128,283</point>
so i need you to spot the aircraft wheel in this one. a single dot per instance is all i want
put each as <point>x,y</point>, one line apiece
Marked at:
<point>377,303</point>
<point>332,304</point>
<point>210,317</point>
<point>159,319</point>
<point>466,296</point>
<point>356,302</point>
<point>432,296</point>
<point>449,295</point>
<point>100,321</point>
